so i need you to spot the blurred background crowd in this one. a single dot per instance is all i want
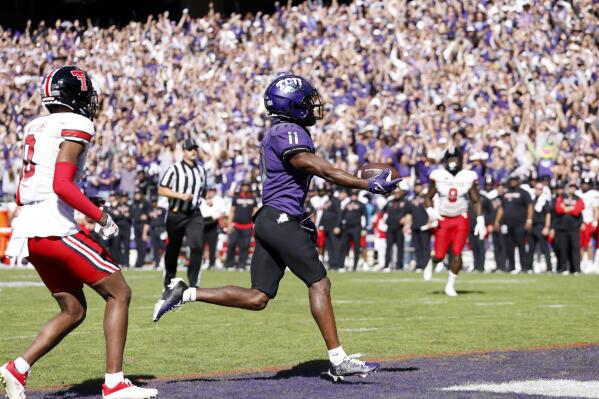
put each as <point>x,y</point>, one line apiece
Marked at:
<point>513,83</point>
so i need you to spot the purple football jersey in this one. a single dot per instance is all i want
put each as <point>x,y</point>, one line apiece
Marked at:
<point>284,187</point>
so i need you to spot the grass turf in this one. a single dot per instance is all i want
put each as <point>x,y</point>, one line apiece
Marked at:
<point>380,315</point>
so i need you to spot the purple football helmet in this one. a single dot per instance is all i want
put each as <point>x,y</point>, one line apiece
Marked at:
<point>293,98</point>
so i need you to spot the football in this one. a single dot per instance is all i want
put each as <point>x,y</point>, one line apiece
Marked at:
<point>372,169</point>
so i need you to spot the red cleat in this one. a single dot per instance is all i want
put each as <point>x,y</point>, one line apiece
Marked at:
<point>13,381</point>
<point>126,390</point>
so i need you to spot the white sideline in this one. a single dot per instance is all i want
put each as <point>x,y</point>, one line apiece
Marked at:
<point>555,388</point>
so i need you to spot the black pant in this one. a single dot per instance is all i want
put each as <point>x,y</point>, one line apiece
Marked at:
<point>478,251</point>
<point>179,225</point>
<point>120,245</point>
<point>334,248</point>
<point>280,245</point>
<point>352,233</point>
<point>157,245</point>
<point>395,236</point>
<point>499,250</point>
<point>515,238</point>
<point>568,250</point>
<point>537,240</point>
<point>422,247</point>
<point>239,238</point>
<point>140,244</point>
<point>211,239</point>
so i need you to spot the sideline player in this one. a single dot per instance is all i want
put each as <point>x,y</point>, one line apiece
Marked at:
<point>454,185</point>
<point>590,216</point>
<point>287,163</point>
<point>55,148</point>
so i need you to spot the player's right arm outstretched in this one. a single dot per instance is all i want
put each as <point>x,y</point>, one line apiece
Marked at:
<point>320,167</point>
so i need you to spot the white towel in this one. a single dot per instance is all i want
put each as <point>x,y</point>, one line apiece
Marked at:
<point>18,247</point>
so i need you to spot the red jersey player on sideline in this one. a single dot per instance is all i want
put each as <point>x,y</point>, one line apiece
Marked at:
<point>45,232</point>
<point>454,186</point>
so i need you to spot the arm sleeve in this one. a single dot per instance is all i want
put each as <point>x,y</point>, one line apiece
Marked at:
<point>76,135</point>
<point>526,197</point>
<point>77,128</point>
<point>167,178</point>
<point>559,206</point>
<point>293,142</point>
<point>577,208</point>
<point>66,189</point>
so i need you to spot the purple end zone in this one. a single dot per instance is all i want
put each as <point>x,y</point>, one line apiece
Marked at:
<point>414,378</point>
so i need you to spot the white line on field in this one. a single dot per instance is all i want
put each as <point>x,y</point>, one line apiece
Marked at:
<point>493,303</point>
<point>555,306</point>
<point>553,388</point>
<point>35,335</point>
<point>359,319</point>
<point>362,329</point>
<point>21,284</point>
<point>442,280</point>
<point>432,302</point>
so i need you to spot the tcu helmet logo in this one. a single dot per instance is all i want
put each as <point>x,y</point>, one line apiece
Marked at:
<point>289,85</point>
<point>80,75</point>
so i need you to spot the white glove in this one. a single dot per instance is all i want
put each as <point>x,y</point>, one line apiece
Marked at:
<point>480,229</point>
<point>430,226</point>
<point>433,215</point>
<point>107,231</point>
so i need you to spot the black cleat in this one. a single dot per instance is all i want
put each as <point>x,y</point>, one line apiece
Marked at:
<point>172,298</point>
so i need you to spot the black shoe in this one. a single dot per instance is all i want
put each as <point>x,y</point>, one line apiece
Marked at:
<point>172,298</point>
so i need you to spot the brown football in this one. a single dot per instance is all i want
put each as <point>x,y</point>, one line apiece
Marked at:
<point>372,169</point>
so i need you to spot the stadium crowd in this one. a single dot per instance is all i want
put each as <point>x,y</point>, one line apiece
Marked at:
<point>513,83</point>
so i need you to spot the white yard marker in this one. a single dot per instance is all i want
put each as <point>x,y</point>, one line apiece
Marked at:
<point>21,284</point>
<point>493,303</point>
<point>555,388</point>
<point>555,306</point>
<point>363,329</point>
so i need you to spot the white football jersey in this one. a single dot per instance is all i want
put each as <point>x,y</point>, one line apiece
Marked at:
<point>43,214</point>
<point>591,201</point>
<point>453,190</point>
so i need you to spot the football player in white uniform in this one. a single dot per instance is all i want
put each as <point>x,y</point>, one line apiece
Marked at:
<point>590,216</point>
<point>46,233</point>
<point>453,185</point>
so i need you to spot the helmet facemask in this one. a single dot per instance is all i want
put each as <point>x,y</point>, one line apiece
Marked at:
<point>453,165</point>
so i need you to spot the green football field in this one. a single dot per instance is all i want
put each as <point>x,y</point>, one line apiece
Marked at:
<point>380,315</point>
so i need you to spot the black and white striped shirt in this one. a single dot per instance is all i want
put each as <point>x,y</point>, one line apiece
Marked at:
<point>185,179</point>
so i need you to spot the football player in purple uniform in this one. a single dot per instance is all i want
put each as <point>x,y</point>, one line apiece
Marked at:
<point>283,239</point>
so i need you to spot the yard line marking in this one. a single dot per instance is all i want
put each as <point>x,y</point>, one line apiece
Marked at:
<point>362,329</point>
<point>35,335</point>
<point>358,319</point>
<point>493,303</point>
<point>21,284</point>
<point>555,306</point>
<point>442,280</point>
<point>432,302</point>
<point>554,388</point>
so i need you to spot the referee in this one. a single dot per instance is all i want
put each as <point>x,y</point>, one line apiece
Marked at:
<point>183,184</point>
